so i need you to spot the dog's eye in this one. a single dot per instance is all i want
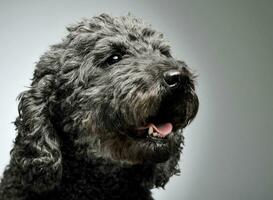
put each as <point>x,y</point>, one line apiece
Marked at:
<point>113,59</point>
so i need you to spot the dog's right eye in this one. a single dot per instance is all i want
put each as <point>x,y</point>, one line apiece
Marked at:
<point>113,59</point>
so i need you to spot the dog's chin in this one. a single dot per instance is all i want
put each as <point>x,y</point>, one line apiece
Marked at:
<point>144,149</point>
<point>155,142</point>
<point>158,149</point>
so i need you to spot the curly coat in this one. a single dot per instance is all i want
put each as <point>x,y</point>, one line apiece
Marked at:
<point>74,127</point>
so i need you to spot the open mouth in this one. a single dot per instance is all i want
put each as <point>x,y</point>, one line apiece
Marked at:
<point>158,127</point>
<point>155,131</point>
<point>170,117</point>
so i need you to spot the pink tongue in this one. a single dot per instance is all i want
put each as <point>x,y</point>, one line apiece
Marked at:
<point>163,129</point>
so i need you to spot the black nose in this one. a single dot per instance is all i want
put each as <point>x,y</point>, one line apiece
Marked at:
<point>172,78</point>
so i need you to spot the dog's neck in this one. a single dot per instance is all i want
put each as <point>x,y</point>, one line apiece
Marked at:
<point>115,181</point>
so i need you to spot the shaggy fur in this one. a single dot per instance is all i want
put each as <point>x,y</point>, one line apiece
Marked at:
<point>78,124</point>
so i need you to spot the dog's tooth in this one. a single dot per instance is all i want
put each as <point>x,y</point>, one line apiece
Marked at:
<point>150,131</point>
<point>154,133</point>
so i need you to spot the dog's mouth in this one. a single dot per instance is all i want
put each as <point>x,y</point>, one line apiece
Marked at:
<point>157,138</point>
<point>157,128</point>
<point>155,131</point>
<point>170,117</point>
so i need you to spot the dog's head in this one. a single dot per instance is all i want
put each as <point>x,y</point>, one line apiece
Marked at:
<point>114,89</point>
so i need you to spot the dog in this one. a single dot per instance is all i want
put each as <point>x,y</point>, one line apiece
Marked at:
<point>103,117</point>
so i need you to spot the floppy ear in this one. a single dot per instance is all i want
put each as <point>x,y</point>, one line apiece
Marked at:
<point>36,150</point>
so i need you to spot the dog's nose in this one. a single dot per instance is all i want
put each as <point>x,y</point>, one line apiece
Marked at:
<point>173,78</point>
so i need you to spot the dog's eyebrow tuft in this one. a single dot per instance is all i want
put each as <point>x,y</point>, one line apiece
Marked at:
<point>118,46</point>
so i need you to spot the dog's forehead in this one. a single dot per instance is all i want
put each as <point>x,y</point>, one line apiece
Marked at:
<point>127,25</point>
<point>103,34</point>
<point>133,33</point>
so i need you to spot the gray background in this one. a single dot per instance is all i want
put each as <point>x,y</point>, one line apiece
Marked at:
<point>229,152</point>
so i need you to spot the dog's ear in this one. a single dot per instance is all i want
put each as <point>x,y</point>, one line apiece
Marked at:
<point>36,150</point>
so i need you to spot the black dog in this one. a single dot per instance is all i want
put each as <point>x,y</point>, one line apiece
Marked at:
<point>103,118</point>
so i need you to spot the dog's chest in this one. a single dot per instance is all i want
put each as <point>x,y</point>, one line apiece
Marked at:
<point>99,181</point>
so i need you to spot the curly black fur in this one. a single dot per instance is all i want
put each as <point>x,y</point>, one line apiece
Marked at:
<point>77,122</point>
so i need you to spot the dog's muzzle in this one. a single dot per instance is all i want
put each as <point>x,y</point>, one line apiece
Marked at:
<point>178,85</point>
